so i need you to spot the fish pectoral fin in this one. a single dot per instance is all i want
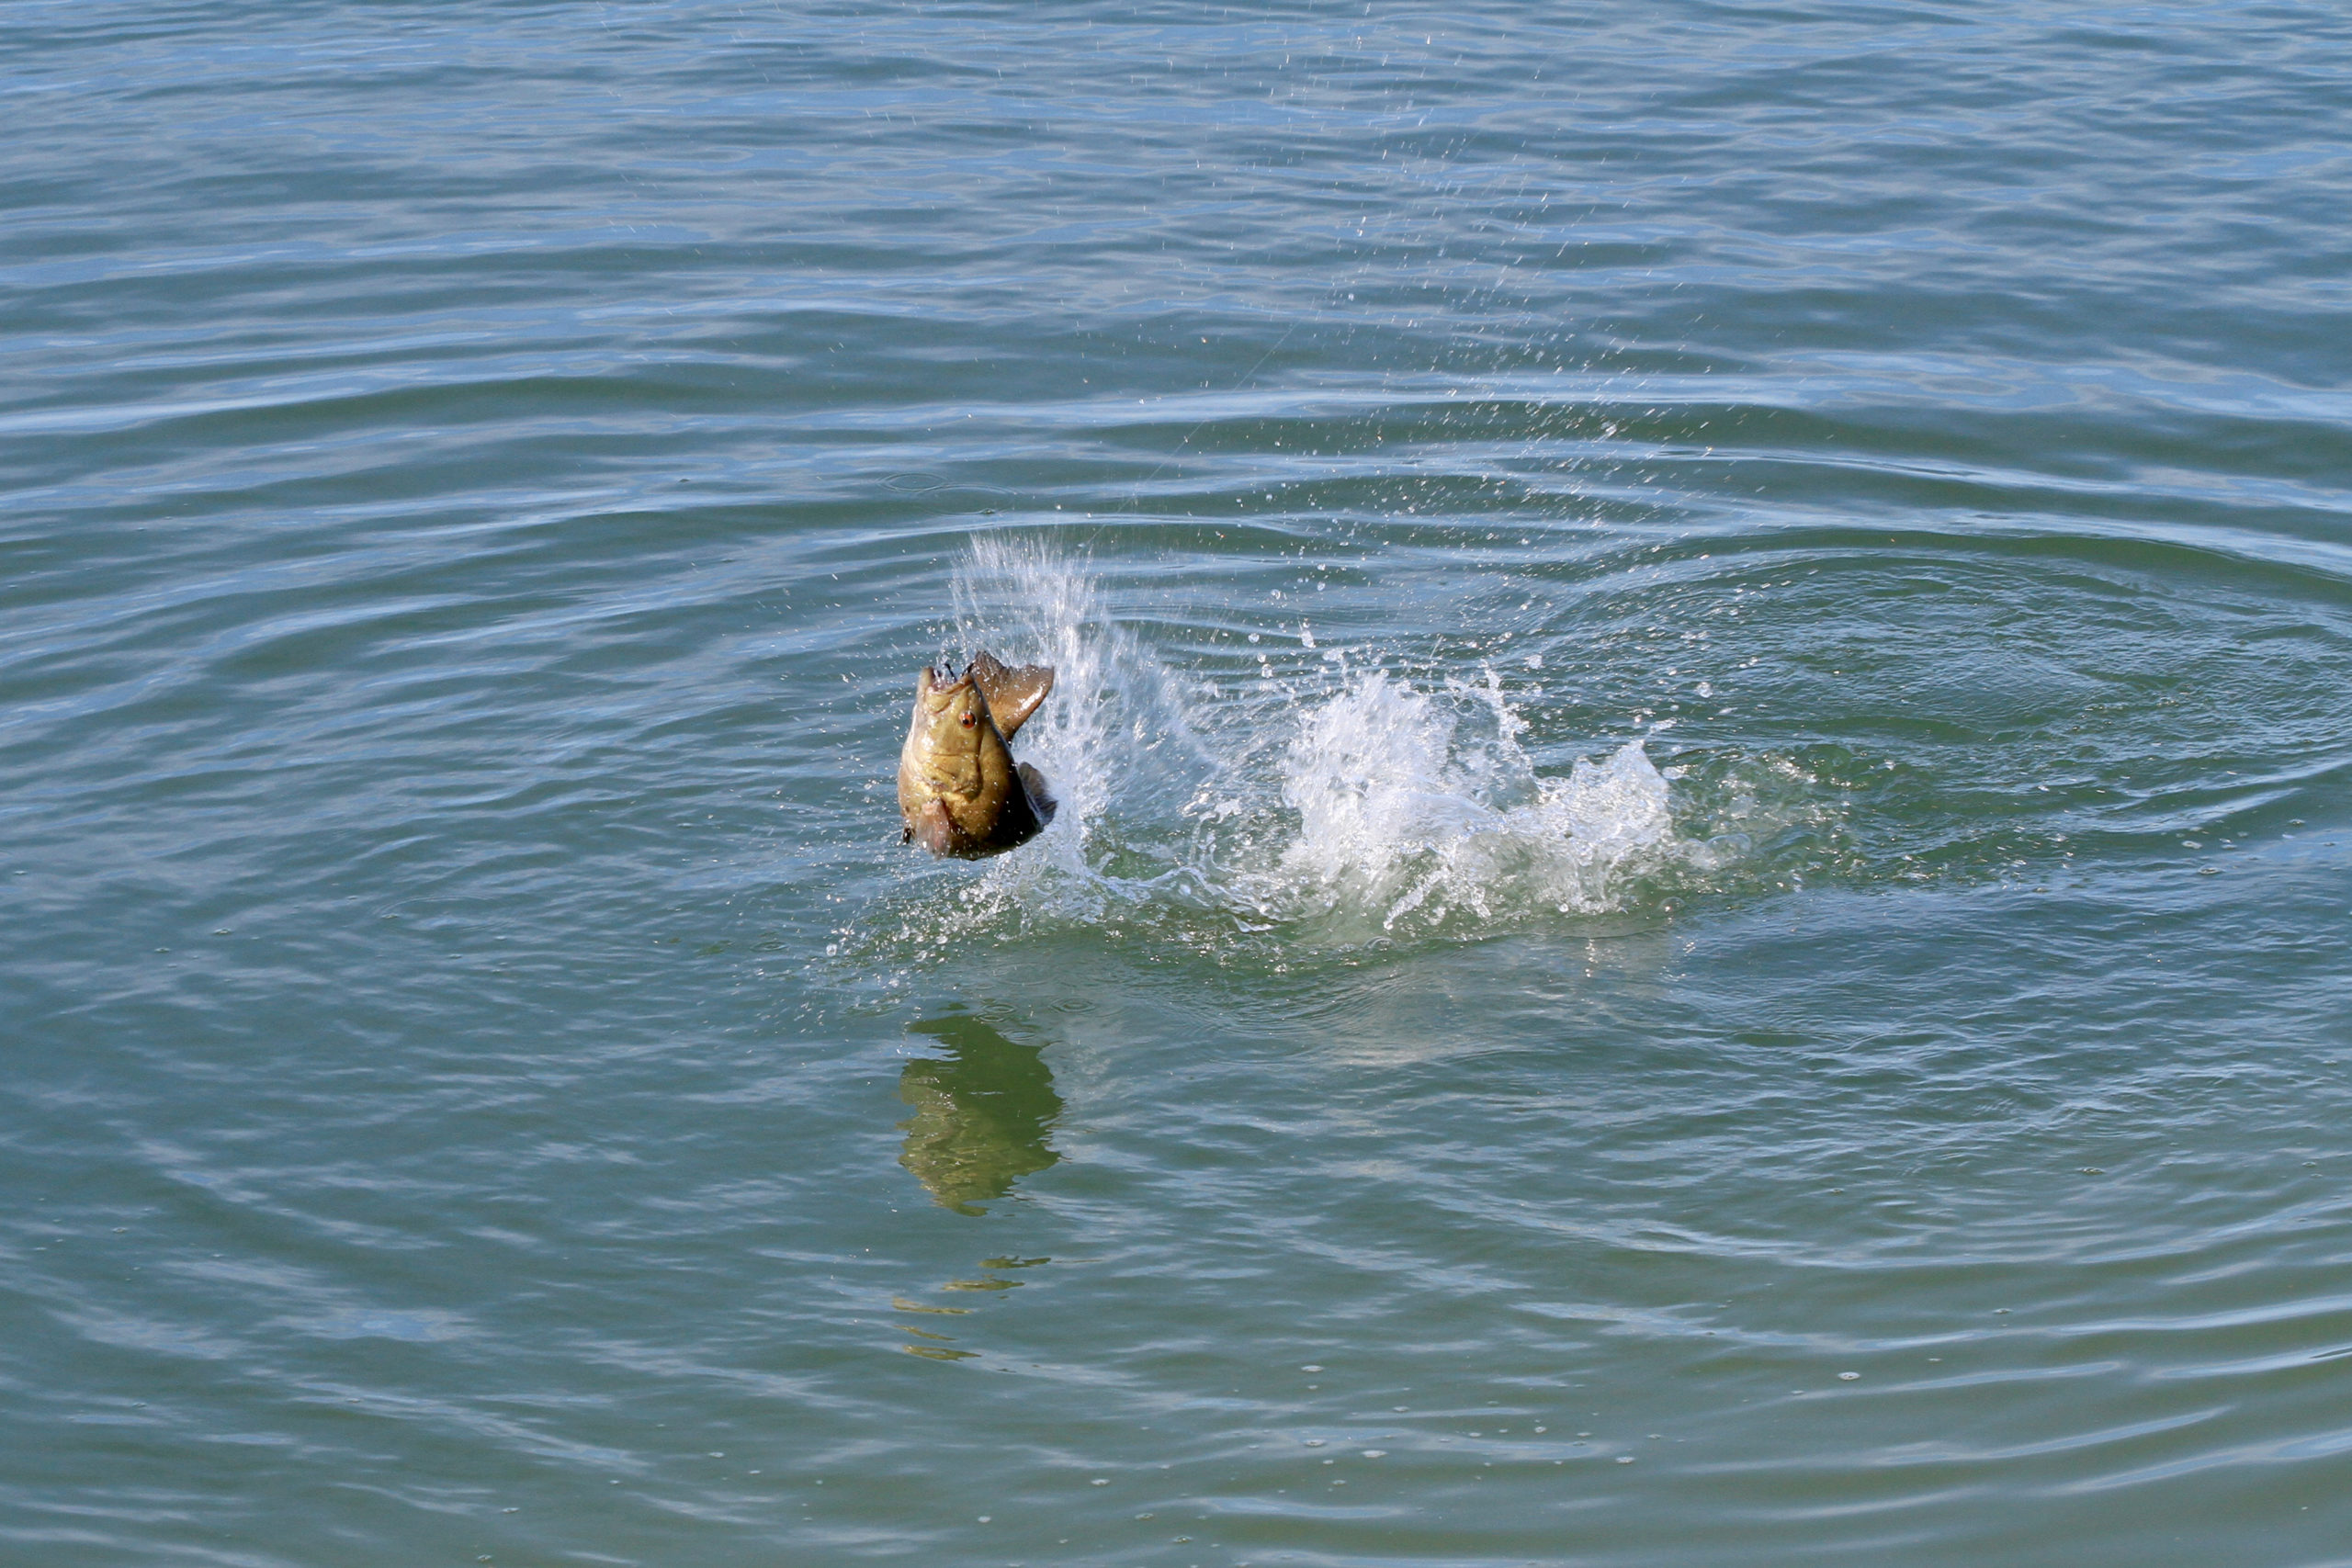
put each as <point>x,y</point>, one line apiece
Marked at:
<point>1012,692</point>
<point>1042,803</point>
<point>932,829</point>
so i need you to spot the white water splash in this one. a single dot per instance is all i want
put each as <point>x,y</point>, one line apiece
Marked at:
<point>1112,740</point>
<point>1337,799</point>
<point>1405,814</point>
<point>1057,620</point>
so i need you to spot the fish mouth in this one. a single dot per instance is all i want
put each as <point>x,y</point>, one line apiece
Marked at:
<point>944,681</point>
<point>936,698</point>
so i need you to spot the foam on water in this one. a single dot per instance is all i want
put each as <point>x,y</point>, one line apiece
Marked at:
<point>1405,813</point>
<point>1332,805</point>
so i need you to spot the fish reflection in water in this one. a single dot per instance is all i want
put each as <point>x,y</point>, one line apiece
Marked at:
<point>982,1113</point>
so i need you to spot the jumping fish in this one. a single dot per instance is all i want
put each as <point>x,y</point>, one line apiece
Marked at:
<point>958,786</point>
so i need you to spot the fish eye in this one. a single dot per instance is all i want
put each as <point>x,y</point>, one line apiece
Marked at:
<point>969,719</point>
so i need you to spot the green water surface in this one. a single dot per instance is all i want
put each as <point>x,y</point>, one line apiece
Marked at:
<point>1699,912</point>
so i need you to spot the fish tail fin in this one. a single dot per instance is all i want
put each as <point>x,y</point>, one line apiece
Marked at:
<point>1012,692</point>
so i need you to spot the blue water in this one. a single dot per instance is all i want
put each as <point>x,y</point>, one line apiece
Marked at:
<point>1700,916</point>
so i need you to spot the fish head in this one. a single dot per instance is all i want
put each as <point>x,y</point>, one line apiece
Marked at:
<point>951,721</point>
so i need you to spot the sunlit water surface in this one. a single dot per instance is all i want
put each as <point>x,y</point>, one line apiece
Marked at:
<point>1705,703</point>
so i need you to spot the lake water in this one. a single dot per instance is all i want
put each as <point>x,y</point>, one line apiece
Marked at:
<point>1700,913</point>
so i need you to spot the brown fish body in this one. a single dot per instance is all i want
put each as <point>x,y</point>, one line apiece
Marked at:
<point>960,790</point>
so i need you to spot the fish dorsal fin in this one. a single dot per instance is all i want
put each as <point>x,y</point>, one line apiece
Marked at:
<point>1013,694</point>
